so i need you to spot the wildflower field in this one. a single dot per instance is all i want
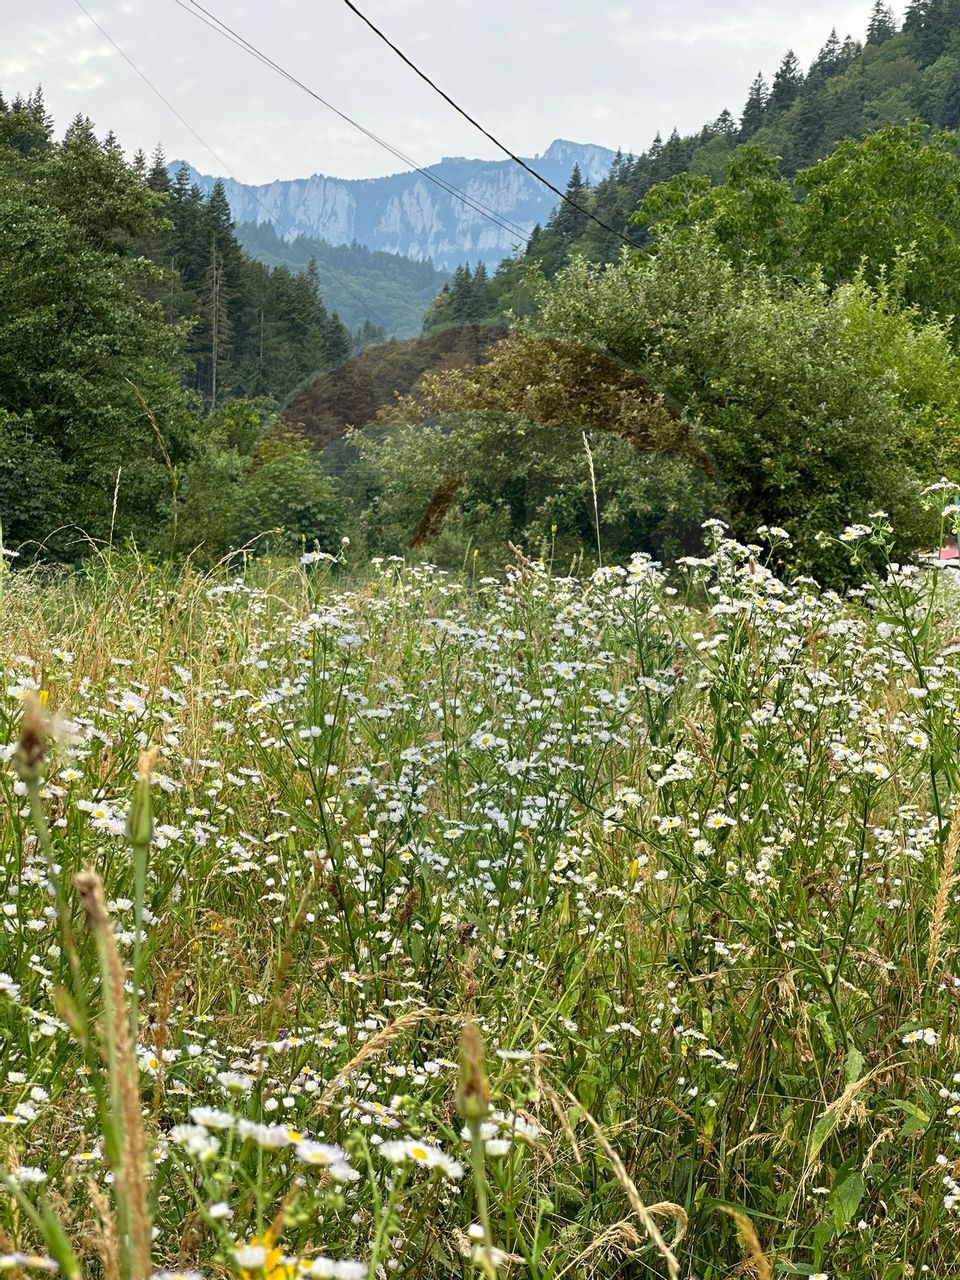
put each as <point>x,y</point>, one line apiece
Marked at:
<point>394,922</point>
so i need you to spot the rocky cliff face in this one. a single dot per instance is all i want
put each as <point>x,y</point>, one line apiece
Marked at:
<point>408,214</point>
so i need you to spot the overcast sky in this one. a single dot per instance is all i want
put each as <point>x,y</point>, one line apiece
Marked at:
<point>605,71</point>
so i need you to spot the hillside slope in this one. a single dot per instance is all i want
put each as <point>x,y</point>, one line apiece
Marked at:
<point>854,86</point>
<point>360,284</point>
<point>351,395</point>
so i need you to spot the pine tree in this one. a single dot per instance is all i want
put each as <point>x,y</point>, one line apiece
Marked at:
<point>755,108</point>
<point>830,58</point>
<point>569,219</point>
<point>158,179</point>
<point>25,126</point>
<point>787,83</point>
<point>850,50</point>
<point>480,300</point>
<point>461,294</point>
<point>931,23</point>
<point>882,23</point>
<point>943,19</point>
<point>808,130</point>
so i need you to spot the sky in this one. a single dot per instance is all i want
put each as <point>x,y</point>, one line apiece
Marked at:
<point>612,72</point>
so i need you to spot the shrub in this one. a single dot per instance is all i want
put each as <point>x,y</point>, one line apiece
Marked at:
<point>291,501</point>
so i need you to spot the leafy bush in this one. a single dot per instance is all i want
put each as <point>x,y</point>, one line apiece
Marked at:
<point>33,487</point>
<point>816,407</point>
<point>291,500</point>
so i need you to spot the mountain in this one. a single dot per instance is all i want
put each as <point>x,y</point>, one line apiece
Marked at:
<point>360,284</point>
<point>406,213</point>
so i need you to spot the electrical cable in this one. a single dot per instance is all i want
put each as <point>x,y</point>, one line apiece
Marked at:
<point>222,28</point>
<point>287,231</point>
<point>486,132</point>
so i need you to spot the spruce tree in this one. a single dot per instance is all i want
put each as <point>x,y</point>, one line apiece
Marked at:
<point>569,219</point>
<point>755,108</point>
<point>787,83</point>
<point>882,23</point>
<point>461,294</point>
<point>830,58</point>
<point>158,179</point>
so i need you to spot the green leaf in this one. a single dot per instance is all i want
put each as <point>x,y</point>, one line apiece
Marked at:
<point>823,1022</point>
<point>854,1064</point>
<point>917,1121</point>
<point>845,1199</point>
<point>821,1132</point>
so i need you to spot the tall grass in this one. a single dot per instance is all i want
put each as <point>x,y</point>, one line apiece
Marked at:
<point>509,927</point>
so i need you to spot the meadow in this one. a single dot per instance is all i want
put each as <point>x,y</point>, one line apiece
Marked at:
<point>362,921</point>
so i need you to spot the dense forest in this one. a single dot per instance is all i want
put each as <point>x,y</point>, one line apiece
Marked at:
<point>143,352</point>
<point>378,293</point>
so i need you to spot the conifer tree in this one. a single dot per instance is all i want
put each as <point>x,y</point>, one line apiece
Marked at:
<point>755,108</point>
<point>882,23</point>
<point>787,83</point>
<point>569,219</point>
<point>158,179</point>
<point>830,58</point>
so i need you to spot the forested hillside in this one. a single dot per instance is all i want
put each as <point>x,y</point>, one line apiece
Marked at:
<point>366,287</point>
<point>854,86</point>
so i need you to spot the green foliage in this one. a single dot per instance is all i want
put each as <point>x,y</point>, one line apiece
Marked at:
<point>752,214</point>
<point>210,491</point>
<point>524,482</point>
<point>896,194</point>
<point>807,401</point>
<point>123,293</point>
<point>257,331</point>
<point>470,298</point>
<point>34,488</point>
<point>364,286</point>
<point>886,208</point>
<point>91,366</point>
<point>290,499</point>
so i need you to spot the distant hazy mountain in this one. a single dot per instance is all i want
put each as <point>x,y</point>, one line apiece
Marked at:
<point>407,214</point>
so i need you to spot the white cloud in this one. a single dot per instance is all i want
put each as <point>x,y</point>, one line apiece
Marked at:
<point>532,70</point>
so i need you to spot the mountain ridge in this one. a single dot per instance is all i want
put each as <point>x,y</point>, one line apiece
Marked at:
<point>407,213</point>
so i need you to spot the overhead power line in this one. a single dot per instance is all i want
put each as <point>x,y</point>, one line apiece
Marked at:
<point>372,313</point>
<point>486,132</point>
<point>222,28</point>
<point>149,83</point>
